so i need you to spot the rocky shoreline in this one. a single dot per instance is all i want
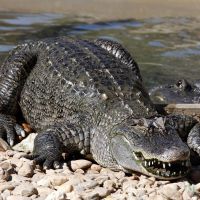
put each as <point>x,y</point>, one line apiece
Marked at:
<point>22,179</point>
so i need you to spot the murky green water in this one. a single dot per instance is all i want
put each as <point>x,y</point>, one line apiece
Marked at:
<point>166,49</point>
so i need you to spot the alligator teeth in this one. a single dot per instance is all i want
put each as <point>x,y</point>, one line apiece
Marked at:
<point>187,163</point>
<point>164,165</point>
<point>164,169</point>
<point>174,173</point>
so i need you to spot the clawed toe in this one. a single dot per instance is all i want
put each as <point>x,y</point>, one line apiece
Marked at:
<point>42,160</point>
<point>19,130</point>
<point>9,129</point>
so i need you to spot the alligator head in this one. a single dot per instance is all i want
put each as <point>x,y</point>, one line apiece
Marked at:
<point>151,147</point>
<point>180,92</point>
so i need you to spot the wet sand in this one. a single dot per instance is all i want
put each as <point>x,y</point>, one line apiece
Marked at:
<point>107,9</point>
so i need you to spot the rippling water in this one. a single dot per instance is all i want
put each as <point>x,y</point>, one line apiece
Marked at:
<point>166,49</point>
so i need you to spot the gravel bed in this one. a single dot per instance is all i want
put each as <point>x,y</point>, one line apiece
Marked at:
<point>21,179</point>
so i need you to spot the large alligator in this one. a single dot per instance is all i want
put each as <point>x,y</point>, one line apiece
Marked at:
<point>88,96</point>
<point>182,91</point>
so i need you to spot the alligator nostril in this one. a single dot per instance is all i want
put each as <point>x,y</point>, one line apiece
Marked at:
<point>185,154</point>
<point>182,155</point>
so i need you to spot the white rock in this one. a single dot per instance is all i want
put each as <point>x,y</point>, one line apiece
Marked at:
<point>44,191</point>
<point>19,155</point>
<point>26,145</point>
<point>6,194</point>
<point>6,165</point>
<point>96,167</point>
<point>129,185</point>
<point>3,156</point>
<point>91,171</point>
<point>116,196</point>
<point>27,169</point>
<point>4,145</point>
<point>74,196</point>
<point>57,195</point>
<point>10,153</point>
<point>80,164</point>
<point>186,196</point>
<point>76,179</point>
<point>170,190</point>
<point>101,179</point>
<point>90,195</point>
<point>120,175</point>
<point>17,197</point>
<point>25,189</point>
<point>53,180</point>
<point>66,187</point>
<point>19,179</point>
<point>4,175</point>
<point>16,162</point>
<point>160,197</point>
<point>109,184</point>
<point>38,176</point>
<point>197,188</point>
<point>194,198</point>
<point>6,186</point>
<point>145,182</point>
<point>85,185</point>
<point>79,171</point>
<point>102,192</point>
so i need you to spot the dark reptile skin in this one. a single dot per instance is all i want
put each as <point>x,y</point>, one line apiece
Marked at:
<point>69,79</point>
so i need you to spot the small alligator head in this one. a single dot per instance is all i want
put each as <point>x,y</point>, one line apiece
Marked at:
<point>180,92</point>
<point>151,147</point>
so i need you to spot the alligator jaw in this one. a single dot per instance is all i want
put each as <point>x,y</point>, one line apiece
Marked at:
<point>163,170</point>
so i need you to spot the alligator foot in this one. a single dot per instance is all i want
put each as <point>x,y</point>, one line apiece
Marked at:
<point>47,150</point>
<point>9,128</point>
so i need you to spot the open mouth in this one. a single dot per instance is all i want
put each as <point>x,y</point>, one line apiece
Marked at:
<point>173,169</point>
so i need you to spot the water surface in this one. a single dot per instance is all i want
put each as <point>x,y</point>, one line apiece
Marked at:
<point>166,49</point>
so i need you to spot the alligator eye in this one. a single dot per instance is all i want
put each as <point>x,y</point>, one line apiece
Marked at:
<point>184,85</point>
<point>179,83</point>
<point>139,155</point>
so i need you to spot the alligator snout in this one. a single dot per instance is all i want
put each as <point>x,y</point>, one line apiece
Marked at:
<point>175,153</point>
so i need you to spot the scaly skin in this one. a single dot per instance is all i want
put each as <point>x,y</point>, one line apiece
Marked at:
<point>89,96</point>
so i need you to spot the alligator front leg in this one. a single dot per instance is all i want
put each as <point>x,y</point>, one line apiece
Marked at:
<point>13,74</point>
<point>61,137</point>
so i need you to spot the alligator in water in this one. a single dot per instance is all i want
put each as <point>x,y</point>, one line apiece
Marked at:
<point>89,96</point>
<point>181,92</point>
